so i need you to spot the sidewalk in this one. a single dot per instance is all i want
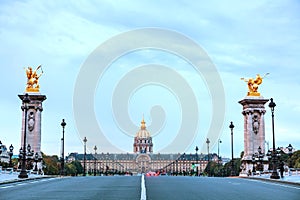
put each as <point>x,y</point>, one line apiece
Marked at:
<point>292,179</point>
<point>13,177</point>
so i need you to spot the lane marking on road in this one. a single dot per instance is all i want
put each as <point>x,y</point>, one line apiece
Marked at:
<point>143,188</point>
<point>278,184</point>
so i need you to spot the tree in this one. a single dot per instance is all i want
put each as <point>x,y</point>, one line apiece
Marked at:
<point>70,169</point>
<point>295,159</point>
<point>78,166</point>
<point>52,166</point>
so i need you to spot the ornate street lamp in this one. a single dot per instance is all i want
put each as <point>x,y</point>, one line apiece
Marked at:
<point>84,157</point>
<point>260,157</point>
<point>10,153</point>
<point>24,107</point>
<point>36,160</point>
<point>231,126</point>
<point>274,156</point>
<point>95,148</point>
<point>207,142</point>
<point>290,148</point>
<point>197,149</point>
<point>25,155</point>
<point>219,142</point>
<point>253,164</point>
<point>62,171</point>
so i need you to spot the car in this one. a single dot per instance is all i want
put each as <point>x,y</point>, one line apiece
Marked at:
<point>151,174</point>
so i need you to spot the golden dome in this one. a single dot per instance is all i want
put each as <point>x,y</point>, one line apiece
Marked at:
<point>143,133</point>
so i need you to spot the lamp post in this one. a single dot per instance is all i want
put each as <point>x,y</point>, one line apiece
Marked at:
<point>219,142</point>
<point>260,157</point>
<point>84,156</point>
<point>63,124</point>
<point>274,155</point>
<point>10,153</point>
<point>290,148</point>
<point>184,165</point>
<point>36,159</point>
<point>208,157</point>
<point>95,148</point>
<point>269,156</point>
<point>207,142</point>
<point>24,107</point>
<point>25,155</point>
<point>253,164</point>
<point>231,126</point>
<point>197,160</point>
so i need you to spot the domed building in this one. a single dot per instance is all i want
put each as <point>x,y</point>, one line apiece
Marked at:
<point>143,140</point>
<point>142,160</point>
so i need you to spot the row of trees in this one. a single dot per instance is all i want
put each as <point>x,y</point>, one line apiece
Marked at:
<point>52,166</point>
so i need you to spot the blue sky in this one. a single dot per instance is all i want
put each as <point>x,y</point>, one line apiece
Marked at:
<point>241,39</point>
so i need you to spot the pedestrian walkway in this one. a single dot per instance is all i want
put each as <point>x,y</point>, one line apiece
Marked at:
<point>13,177</point>
<point>290,179</point>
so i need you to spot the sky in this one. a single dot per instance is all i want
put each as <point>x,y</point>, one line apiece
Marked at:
<point>108,64</point>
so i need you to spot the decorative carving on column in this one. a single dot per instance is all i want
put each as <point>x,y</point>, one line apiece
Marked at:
<point>255,123</point>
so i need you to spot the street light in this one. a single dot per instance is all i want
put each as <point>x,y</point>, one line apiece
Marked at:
<point>84,156</point>
<point>260,157</point>
<point>24,107</point>
<point>274,156</point>
<point>207,142</point>
<point>290,148</point>
<point>36,160</point>
<point>62,172</point>
<point>231,126</point>
<point>219,142</point>
<point>10,153</point>
<point>25,155</point>
<point>197,149</point>
<point>95,148</point>
<point>253,164</point>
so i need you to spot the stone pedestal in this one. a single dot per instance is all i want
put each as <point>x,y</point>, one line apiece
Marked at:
<point>33,123</point>
<point>254,129</point>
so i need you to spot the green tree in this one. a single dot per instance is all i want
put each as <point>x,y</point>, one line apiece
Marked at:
<point>70,169</point>
<point>295,159</point>
<point>78,166</point>
<point>52,165</point>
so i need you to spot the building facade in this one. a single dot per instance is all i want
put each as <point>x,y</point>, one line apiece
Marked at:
<point>142,160</point>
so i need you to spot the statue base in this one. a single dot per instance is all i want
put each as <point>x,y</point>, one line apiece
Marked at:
<point>255,94</point>
<point>254,130</point>
<point>32,90</point>
<point>33,121</point>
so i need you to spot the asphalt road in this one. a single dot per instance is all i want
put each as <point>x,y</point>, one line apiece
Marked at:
<point>73,188</point>
<point>208,188</point>
<point>157,188</point>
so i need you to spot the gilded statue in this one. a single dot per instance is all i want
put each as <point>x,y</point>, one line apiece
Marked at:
<point>253,84</point>
<point>33,79</point>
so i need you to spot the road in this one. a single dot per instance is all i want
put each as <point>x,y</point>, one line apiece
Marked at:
<point>217,188</point>
<point>157,188</point>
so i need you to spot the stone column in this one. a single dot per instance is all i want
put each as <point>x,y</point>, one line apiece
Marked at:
<point>34,116</point>
<point>254,129</point>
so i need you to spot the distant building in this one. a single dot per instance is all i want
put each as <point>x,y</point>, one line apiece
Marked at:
<point>143,159</point>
